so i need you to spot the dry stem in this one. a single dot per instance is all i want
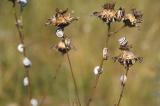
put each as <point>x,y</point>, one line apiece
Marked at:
<point>74,79</point>
<point>122,90</point>
<point>21,37</point>
<point>101,66</point>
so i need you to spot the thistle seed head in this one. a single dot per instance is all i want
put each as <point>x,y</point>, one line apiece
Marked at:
<point>109,14</point>
<point>126,58</point>
<point>133,19</point>
<point>61,19</point>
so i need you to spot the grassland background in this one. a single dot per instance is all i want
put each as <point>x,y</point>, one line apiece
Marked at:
<point>143,87</point>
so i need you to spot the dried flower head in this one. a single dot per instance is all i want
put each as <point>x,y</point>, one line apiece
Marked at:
<point>64,45</point>
<point>133,19</point>
<point>126,58</point>
<point>108,13</point>
<point>61,19</point>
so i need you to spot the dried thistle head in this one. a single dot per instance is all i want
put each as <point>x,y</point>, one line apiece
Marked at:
<point>61,19</point>
<point>126,58</point>
<point>108,13</point>
<point>64,45</point>
<point>133,19</point>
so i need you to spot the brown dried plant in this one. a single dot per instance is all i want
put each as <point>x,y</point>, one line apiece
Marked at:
<point>60,20</point>
<point>22,46</point>
<point>127,59</point>
<point>108,15</point>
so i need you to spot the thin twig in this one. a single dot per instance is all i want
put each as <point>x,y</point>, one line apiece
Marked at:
<point>122,90</point>
<point>108,34</point>
<point>21,37</point>
<point>74,79</point>
<point>95,85</point>
<point>94,89</point>
<point>29,93</point>
<point>101,66</point>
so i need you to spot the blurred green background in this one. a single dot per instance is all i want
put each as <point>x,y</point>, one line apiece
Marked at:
<point>143,86</point>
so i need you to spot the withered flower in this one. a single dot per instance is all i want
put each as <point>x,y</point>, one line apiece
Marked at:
<point>13,1</point>
<point>64,45</point>
<point>61,19</point>
<point>127,58</point>
<point>133,19</point>
<point>108,13</point>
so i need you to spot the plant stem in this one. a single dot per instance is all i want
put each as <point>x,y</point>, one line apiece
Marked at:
<point>21,37</point>
<point>108,34</point>
<point>95,85</point>
<point>122,90</point>
<point>94,89</point>
<point>29,93</point>
<point>74,79</point>
<point>101,66</point>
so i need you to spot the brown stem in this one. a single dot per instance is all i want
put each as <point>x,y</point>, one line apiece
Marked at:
<point>95,85</point>
<point>122,90</point>
<point>29,93</point>
<point>93,91</point>
<point>101,66</point>
<point>21,37</point>
<point>108,34</point>
<point>74,79</point>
